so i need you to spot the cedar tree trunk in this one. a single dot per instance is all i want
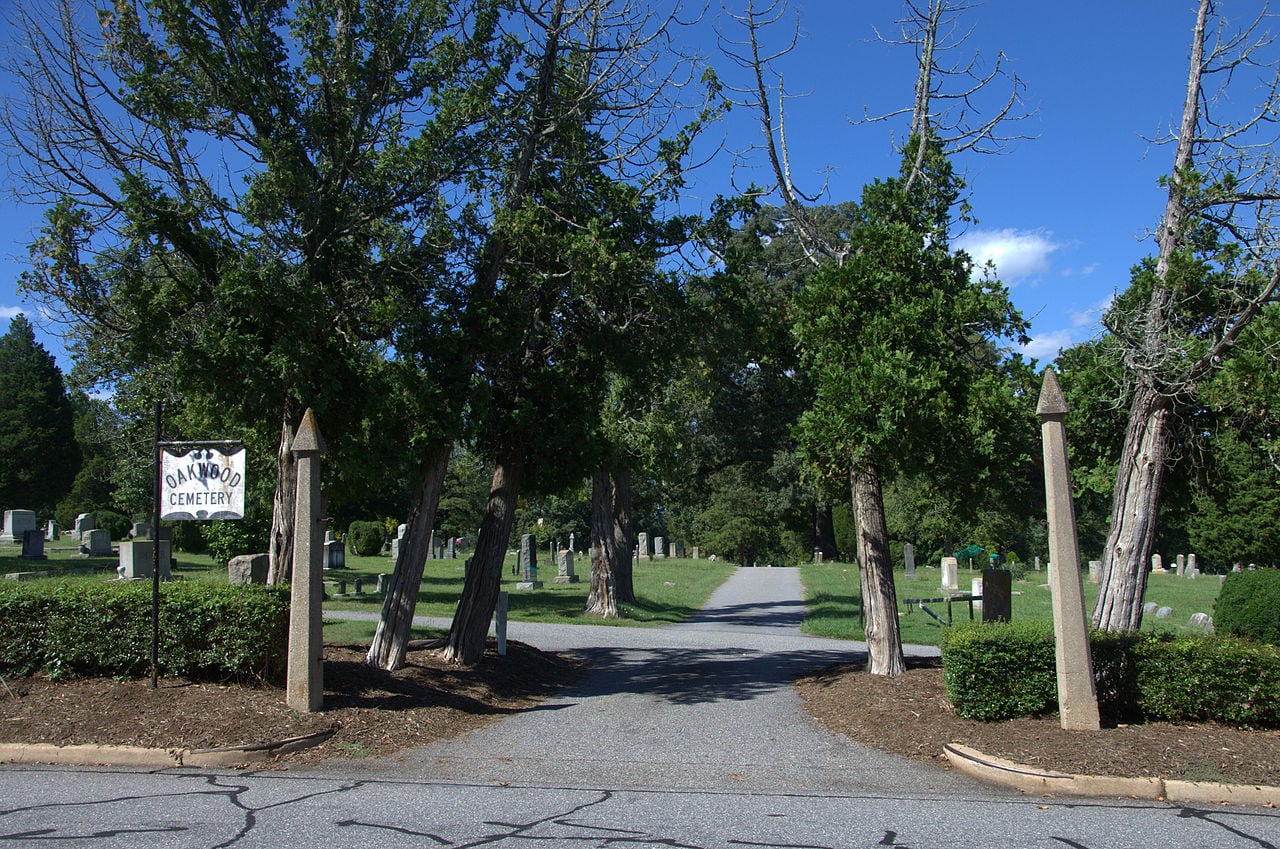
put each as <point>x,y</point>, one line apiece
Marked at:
<point>470,626</point>
<point>611,576</point>
<point>1133,514</point>
<point>392,637</point>
<point>884,641</point>
<point>280,545</point>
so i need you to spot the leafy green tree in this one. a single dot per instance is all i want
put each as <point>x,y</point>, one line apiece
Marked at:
<point>98,434</point>
<point>887,394</point>
<point>39,457</point>
<point>251,235</point>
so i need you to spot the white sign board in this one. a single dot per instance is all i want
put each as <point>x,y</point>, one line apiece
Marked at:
<point>200,482</point>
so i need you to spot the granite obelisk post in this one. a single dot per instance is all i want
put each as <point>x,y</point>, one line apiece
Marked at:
<point>304,688</point>
<point>1077,696</point>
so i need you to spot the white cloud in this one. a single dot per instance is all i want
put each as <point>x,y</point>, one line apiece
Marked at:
<point>1017,254</point>
<point>10,312</point>
<point>1046,346</point>
<point>1091,316</point>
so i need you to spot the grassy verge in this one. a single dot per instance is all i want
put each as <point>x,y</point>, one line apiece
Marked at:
<point>667,590</point>
<point>832,594</point>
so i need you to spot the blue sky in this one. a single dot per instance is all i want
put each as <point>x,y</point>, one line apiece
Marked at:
<point>1065,214</point>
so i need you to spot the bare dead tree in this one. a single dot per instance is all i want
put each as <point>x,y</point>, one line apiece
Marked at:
<point>1223,190</point>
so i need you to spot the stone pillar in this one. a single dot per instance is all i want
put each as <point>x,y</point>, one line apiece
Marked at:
<point>1192,571</point>
<point>1077,695</point>
<point>642,543</point>
<point>1182,564</point>
<point>659,548</point>
<point>304,687</point>
<point>909,555</point>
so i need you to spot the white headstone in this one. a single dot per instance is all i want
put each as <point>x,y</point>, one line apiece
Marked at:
<point>138,556</point>
<point>1095,571</point>
<point>17,523</point>
<point>1157,564</point>
<point>950,565</point>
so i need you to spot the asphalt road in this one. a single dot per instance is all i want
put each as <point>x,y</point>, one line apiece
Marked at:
<point>686,736</point>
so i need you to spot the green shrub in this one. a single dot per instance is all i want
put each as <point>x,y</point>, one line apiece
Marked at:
<point>1193,678</point>
<point>366,538</point>
<point>1000,670</point>
<point>207,632</point>
<point>230,539</point>
<point>117,524</point>
<point>1248,606</point>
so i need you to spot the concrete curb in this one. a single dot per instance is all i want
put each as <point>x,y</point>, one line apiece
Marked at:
<point>229,757</point>
<point>1031,780</point>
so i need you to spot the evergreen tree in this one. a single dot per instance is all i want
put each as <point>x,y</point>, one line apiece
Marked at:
<point>38,453</point>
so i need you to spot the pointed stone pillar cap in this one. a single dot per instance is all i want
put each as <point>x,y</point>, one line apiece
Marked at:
<point>308,438</point>
<point>1052,402</point>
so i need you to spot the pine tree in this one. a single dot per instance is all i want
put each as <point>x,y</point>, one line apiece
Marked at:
<point>39,457</point>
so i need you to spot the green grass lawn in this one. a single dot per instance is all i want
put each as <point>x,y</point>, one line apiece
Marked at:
<point>667,591</point>
<point>832,595</point>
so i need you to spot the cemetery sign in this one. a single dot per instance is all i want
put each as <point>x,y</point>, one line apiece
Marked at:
<point>202,481</point>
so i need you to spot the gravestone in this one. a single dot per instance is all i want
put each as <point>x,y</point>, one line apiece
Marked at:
<point>51,530</point>
<point>329,537</point>
<point>451,551</point>
<point>1182,564</point>
<point>140,530</point>
<point>909,555</point>
<point>1202,621</point>
<point>1149,608</point>
<point>950,566</point>
<point>1037,563</point>
<point>571,548</point>
<point>528,564</point>
<point>1164,612</point>
<point>246,569</point>
<point>84,522</point>
<point>137,557</point>
<point>1095,571</point>
<point>659,548</point>
<point>997,595</point>
<point>32,544</point>
<point>384,581</point>
<point>1192,571</point>
<point>395,549</point>
<point>564,568</point>
<point>335,554</point>
<point>695,553</point>
<point>975,590</point>
<point>642,544</point>
<point>1157,565</point>
<point>679,550</point>
<point>95,543</point>
<point>17,523</point>
<point>1237,568</point>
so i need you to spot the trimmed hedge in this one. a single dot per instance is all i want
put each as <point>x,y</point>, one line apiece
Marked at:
<point>997,672</point>
<point>1249,606</point>
<point>1005,670</point>
<point>80,629</point>
<point>366,538</point>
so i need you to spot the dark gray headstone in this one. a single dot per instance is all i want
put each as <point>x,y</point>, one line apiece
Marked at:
<point>997,595</point>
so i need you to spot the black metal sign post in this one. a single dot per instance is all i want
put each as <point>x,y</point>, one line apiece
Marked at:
<point>155,531</point>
